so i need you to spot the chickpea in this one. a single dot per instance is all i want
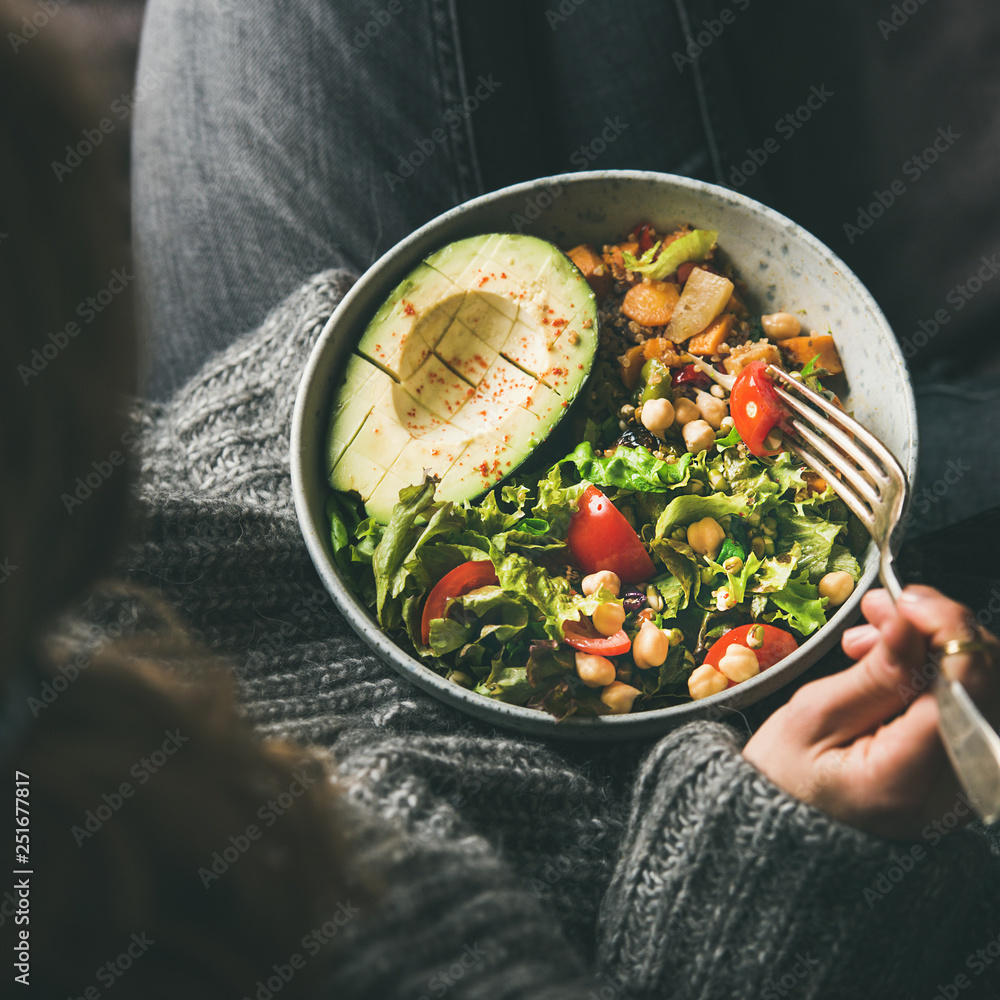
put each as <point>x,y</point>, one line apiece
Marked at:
<point>717,389</point>
<point>608,618</point>
<point>780,326</point>
<point>712,410</point>
<point>699,436</point>
<point>602,578</point>
<point>837,587</point>
<point>595,671</point>
<point>650,646</point>
<point>685,411</point>
<point>705,681</point>
<point>619,697</point>
<point>657,416</point>
<point>706,536</point>
<point>739,663</point>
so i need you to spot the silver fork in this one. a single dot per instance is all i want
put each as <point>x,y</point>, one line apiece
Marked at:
<point>872,483</point>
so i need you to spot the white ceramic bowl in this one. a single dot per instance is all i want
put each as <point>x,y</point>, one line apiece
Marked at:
<point>784,266</point>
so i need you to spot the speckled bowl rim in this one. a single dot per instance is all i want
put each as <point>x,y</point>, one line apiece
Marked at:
<point>309,487</point>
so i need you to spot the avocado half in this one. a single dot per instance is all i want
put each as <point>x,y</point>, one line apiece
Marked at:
<point>464,370</point>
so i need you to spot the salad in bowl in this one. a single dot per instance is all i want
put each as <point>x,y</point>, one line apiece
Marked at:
<point>556,474</point>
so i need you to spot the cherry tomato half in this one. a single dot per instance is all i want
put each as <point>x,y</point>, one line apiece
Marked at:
<point>777,645</point>
<point>583,636</point>
<point>599,538</point>
<point>462,579</point>
<point>755,407</point>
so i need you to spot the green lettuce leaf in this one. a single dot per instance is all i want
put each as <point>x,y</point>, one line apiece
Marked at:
<point>557,503</point>
<point>776,571</point>
<point>800,605</point>
<point>748,477</point>
<point>498,614</point>
<point>674,596</point>
<point>841,560</point>
<point>696,245</point>
<point>486,518</point>
<point>548,663</point>
<point>551,595</point>
<point>630,468</point>
<point>681,561</point>
<point>570,697</point>
<point>395,545</point>
<point>814,536</point>
<point>690,507</point>
<point>730,440</point>
<point>447,635</point>
<point>670,678</point>
<point>506,683</point>
<point>786,472</point>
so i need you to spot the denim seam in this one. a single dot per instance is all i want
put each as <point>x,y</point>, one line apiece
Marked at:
<point>702,95</point>
<point>452,84</point>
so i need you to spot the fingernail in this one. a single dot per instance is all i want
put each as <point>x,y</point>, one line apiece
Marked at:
<point>909,596</point>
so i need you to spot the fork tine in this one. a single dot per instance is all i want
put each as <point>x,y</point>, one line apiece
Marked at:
<point>831,454</point>
<point>835,433</point>
<point>860,432</point>
<point>842,490</point>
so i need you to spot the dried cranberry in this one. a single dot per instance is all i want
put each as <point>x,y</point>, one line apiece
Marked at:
<point>691,376</point>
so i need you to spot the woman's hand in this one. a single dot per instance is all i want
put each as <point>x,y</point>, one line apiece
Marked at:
<point>833,745</point>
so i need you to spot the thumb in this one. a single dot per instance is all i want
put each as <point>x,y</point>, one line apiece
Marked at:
<point>881,684</point>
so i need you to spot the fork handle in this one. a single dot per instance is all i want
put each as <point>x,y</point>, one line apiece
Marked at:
<point>972,744</point>
<point>888,574</point>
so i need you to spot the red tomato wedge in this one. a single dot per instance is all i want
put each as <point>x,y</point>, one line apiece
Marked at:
<point>599,538</point>
<point>462,579</point>
<point>777,645</point>
<point>583,636</point>
<point>755,407</point>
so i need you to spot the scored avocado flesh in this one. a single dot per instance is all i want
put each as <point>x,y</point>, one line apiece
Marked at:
<point>463,371</point>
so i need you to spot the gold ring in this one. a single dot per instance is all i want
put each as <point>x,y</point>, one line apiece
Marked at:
<point>955,646</point>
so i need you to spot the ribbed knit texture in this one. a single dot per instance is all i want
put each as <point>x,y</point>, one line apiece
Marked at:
<point>672,869</point>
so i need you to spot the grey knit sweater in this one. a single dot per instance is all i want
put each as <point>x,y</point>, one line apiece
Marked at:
<point>517,867</point>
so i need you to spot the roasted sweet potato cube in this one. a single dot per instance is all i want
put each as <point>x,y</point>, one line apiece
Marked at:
<point>801,350</point>
<point>631,366</point>
<point>593,268</point>
<point>711,339</point>
<point>662,349</point>
<point>613,255</point>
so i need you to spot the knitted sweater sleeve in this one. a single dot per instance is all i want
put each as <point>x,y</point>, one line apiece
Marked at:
<point>726,886</point>
<point>722,885</point>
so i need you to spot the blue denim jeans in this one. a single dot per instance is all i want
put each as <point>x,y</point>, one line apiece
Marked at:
<point>274,140</point>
